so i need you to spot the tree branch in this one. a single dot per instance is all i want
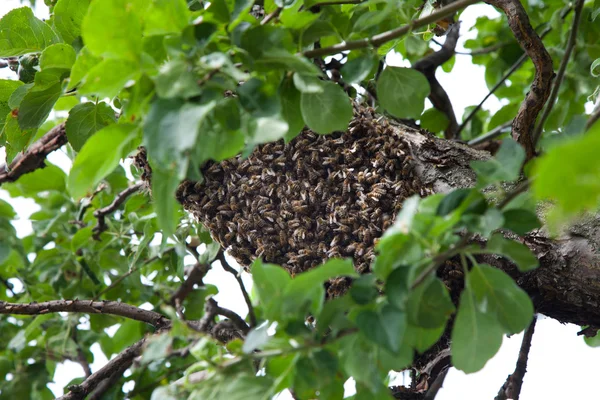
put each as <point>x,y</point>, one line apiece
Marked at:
<point>571,42</point>
<point>81,359</point>
<point>120,363</point>
<point>512,387</point>
<point>438,96</point>
<point>101,213</point>
<point>524,122</point>
<point>237,275</point>
<point>195,276</point>
<point>35,156</point>
<point>379,39</point>
<point>87,306</point>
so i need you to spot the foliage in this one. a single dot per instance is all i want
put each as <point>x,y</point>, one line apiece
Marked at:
<point>194,83</point>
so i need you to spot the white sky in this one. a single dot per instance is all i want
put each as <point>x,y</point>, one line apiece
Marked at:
<point>560,365</point>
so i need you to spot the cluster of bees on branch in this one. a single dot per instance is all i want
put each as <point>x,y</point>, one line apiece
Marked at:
<point>317,197</point>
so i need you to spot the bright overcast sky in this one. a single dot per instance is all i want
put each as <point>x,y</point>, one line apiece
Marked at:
<point>560,365</point>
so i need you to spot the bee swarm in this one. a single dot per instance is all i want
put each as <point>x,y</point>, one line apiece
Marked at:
<point>315,198</point>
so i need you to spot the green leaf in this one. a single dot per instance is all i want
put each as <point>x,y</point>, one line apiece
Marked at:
<point>306,292</point>
<point>81,238</point>
<point>434,120</point>
<point>429,304</point>
<point>364,290</point>
<point>60,55</point>
<point>358,69</point>
<point>328,111</point>
<point>270,281</point>
<point>22,33</point>
<point>501,295</point>
<point>171,129</point>
<point>385,328</point>
<point>256,338</point>
<point>397,287</point>
<point>176,79</point>
<point>7,87</point>
<point>83,64</point>
<point>267,129</point>
<point>421,338</point>
<point>113,28</point>
<point>157,348</point>
<point>85,119</point>
<point>593,341</point>
<point>68,15</point>
<point>16,138</point>
<point>108,77</point>
<point>165,180</point>
<point>6,210</point>
<point>595,68</point>
<point>98,157</point>
<point>520,221</point>
<point>290,108</point>
<point>569,174</point>
<point>505,166</point>
<point>476,336</point>
<point>402,91</point>
<point>49,178</point>
<point>516,252</point>
<point>38,103</point>
<point>166,16</point>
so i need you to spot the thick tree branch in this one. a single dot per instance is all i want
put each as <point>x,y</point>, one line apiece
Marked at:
<point>524,122</point>
<point>378,40</point>
<point>35,156</point>
<point>438,96</point>
<point>86,306</point>
<point>571,42</point>
<point>512,387</point>
<point>120,363</point>
<point>101,213</point>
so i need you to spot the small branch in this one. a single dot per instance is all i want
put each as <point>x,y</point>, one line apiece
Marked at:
<point>131,271</point>
<point>35,156</point>
<point>571,42</point>
<point>477,52</point>
<point>494,133</point>
<point>507,75</point>
<point>101,213</point>
<point>81,359</point>
<point>439,259</point>
<point>195,276</point>
<point>212,309</point>
<point>438,96</point>
<point>238,277</point>
<point>335,3</point>
<point>524,122</point>
<point>437,385</point>
<point>120,363</point>
<point>9,286</point>
<point>594,116</point>
<point>379,39</point>
<point>86,306</point>
<point>512,387</point>
<point>108,383</point>
<point>271,16</point>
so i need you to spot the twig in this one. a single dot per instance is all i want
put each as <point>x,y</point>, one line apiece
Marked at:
<point>335,3</point>
<point>438,96</point>
<point>524,122</point>
<point>507,75</point>
<point>512,387</point>
<point>237,275</point>
<point>35,157</point>
<point>87,306</point>
<point>594,116</point>
<point>520,188</point>
<point>9,286</point>
<point>439,259</point>
<point>477,52</point>
<point>120,363</point>
<point>81,359</point>
<point>212,309</point>
<point>494,133</point>
<point>195,276</point>
<point>379,39</point>
<point>101,213</point>
<point>437,384</point>
<point>131,271</point>
<point>571,42</point>
<point>271,16</point>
